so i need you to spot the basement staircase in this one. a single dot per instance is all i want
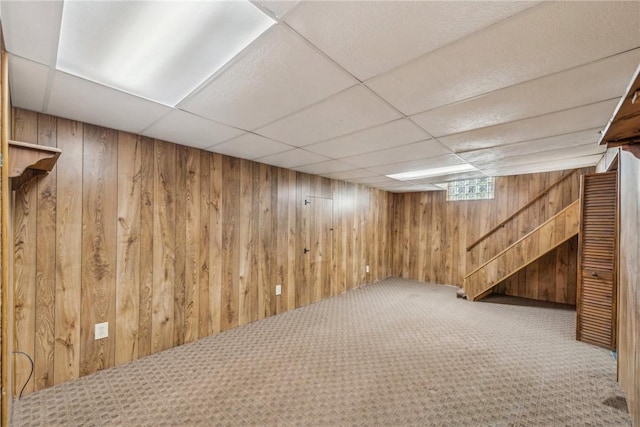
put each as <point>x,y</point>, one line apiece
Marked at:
<point>546,237</point>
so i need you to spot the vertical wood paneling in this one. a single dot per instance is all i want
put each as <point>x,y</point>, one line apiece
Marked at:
<point>145,299</point>
<point>193,245</point>
<point>99,211</point>
<point>180,244</point>
<point>164,247</point>
<point>24,261</point>
<point>231,218</point>
<point>215,244</point>
<point>629,288</point>
<point>203,241</point>
<point>45,263</point>
<point>128,248</point>
<point>159,240</point>
<point>68,251</point>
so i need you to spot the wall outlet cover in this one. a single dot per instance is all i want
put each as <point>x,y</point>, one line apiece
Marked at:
<point>101,330</point>
<point>278,289</point>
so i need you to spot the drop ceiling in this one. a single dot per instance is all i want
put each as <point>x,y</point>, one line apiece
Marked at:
<point>360,90</point>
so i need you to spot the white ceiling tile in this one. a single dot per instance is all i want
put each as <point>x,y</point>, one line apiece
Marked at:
<point>377,179</point>
<point>416,150</point>
<point>293,158</point>
<point>349,111</point>
<point>589,136</point>
<point>28,83</point>
<point>250,146</point>
<point>368,38</point>
<point>415,165</point>
<point>351,175</point>
<point>562,164</point>
<point>539,41</point>
<point>78,99</point>
<point>546,156</point>
<point>392,134</point>
<point>31,29</point>
<point>275,76</point>
<point>597,81</point>
<point>186,129</point>
<point>278,8</point>
<point>325,168</point>
<point>568,121</point>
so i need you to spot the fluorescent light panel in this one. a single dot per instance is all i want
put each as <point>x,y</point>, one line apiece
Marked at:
<point>426,173</point>
<point>161,51</point>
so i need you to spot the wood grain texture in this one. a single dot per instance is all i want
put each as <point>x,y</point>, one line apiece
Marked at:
<point>99,208</point>
<point>45,264</point>
<point>128,248</point>
<point>68,252</point>
<point>24,260</point>
<point>629,288</point>
<point>164,246</point>
<point>159,240</point>
<point>146,242</point>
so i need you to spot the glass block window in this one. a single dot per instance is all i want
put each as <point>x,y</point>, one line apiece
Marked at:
<point>471,189</point>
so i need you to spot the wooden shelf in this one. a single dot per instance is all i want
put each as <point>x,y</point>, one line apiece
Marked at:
<point>624,127</point>
<point>28,161</point>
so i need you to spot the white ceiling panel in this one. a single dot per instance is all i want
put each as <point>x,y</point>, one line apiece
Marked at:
<point>324,168</point>
<point>392,134</point>
<point>31,29</point>
<point>351,175</point>
<point>349,111</point>
<point>293,158</point>
<point>373,180</point>
<point>269,80</point>
<point>250,146</point>
<point>186,129</point>
<point>416,150</point>
<point>277,8</point>
<point>539,41</point>
<point>28,83</point>
<point>590,136</point>
<point>597,81</point>
<point>554,165</point>
<point>568,121</point>
<point>546,156</point>
<point>100,105</point>
<point>368,38</point>
<point>415,165</point>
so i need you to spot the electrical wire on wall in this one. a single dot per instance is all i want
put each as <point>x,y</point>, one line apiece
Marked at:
<point>30,373</point>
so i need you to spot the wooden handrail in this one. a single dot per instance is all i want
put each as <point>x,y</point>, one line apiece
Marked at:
<point>522,208</point>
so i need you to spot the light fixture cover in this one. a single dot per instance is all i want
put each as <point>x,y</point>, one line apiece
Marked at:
<point>161,51</point>
<point>426,173</point>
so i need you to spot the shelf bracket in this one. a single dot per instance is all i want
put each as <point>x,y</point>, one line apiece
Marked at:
<point>29,161</point>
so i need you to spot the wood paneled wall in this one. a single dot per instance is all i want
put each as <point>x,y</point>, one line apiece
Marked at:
<point>169,244</point>
<point>431,235</point>
<point>628,286</point>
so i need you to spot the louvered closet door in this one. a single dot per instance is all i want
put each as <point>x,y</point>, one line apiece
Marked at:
<point>596,308</point>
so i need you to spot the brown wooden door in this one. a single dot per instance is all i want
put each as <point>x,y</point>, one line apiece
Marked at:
<point>596,297</point>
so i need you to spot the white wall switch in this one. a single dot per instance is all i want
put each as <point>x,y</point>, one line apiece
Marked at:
<point>278,289</point>
<point>101,330</point>
<point>366,269</point>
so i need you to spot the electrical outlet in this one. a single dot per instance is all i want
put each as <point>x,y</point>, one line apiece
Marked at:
<point>101,330</point>
<point>278,289</point>
<point>366,269</point>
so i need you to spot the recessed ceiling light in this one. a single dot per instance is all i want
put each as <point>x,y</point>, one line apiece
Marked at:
<point>426,173</point>
<point>161,51</point>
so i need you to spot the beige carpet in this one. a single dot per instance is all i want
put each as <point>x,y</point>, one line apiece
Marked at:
<point>393,353</point>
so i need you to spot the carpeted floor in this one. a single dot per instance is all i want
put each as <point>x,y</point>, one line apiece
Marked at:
<point>393,353</point>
